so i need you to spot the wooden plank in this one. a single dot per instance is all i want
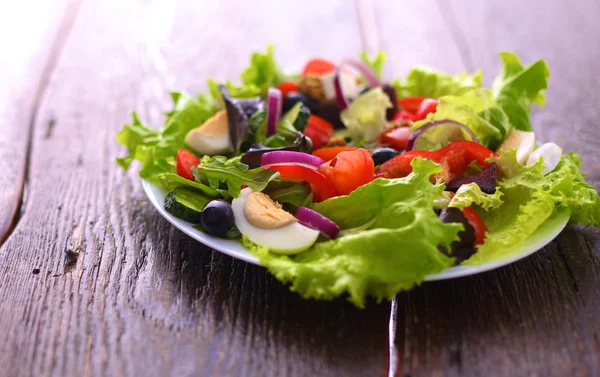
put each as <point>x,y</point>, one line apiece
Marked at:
<point>94,281</point>
<point>31,46</point>
<point>537,316</point>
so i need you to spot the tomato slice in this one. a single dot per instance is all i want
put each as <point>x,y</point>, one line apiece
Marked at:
<point>477,224</point>
<point>329,153</point>
<point>318,130</point>
<point>318,66</point>
<point>410,104</point>
<point>429,105</point>
<point>349,170</point>
<point>321,186</point>
<point>403,116</point>
<point>287,87</point>
<point>397,138</point>
<point>185,162</point>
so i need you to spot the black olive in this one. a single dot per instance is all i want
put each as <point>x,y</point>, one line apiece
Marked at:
<point>463,248</point>
<point>217,217</point>
<point>486,180</point>
<point>381,155</point>
<point>294,97</point>
<point>391,93</point>
<point>330,111</point>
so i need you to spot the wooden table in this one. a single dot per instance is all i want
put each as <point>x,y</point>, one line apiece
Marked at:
<point>94,282</point>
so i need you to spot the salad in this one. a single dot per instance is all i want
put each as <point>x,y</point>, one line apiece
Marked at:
<point>343,184</point>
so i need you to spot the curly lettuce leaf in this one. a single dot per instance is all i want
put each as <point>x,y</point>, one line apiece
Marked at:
<point>517,87</point>
<point>530,198</point>
<point>478,111</point>
<point>233,174</point>
<point>426,82</point>
<point>365,117</point>
<point>470,194</point>
<point>375,63</point>
<point>397,251</point>
<point>156,148</point>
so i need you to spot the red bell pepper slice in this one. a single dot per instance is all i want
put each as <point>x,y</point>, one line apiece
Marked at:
<point>321,186</point>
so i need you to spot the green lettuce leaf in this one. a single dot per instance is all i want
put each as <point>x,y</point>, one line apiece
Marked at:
<point>470,194</point>
<point>376,62</point>
<point>530,198</point>
<point>234,174</point>
<point>478,111</point>
<point>397,251</point>
<point>171,181</point>
<point>426,82</point>
<point>517,87</point>
<point>156,148</point>
<point>365,117</point>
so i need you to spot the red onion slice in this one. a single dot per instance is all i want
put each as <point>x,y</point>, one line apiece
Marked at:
<point>273,110</point>
<point>278,157</point>
<point>315,220</point>
<point>450,127</point>
<point>364,70</point>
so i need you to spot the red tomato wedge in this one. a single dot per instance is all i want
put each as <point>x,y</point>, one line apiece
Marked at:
<point>349,170</point>
<point>185,162</point>
<point>428,106</point>
<point>397,138</point>
<point>318,66</point>
<point>287,87</point>
<point>410,104</point>
<point>477,224</point>
<point>318,130</point>
<point>321,186</point>
<point>330,153</point>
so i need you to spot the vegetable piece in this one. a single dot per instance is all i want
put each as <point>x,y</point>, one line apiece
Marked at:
<point>403,116</point>
<point>349,170</point>
<point>397,138</point>
<point>365,71</point>
<point>318,130</point>
<point>486,180</point>
<point>273,110</point>
<point>390,91</point>
<point>426,82</point>
<point>318,66</point>
<point>253,155</point>
<point>239,124</point>
<point>233,173</point>
<point>518,87</point>
<point>365,117</point>
<point>381,155</point>
<point>321,186</point>
<point>463,248</point>
<point>291,195</point>
<point>294,97</point>
<point>289,239</point>
<point>287,87</point>
<point>329,153</point>
<point>277,157</point>
<point>410,104</point>
<point>185,162</point>
<point>375,63</point>
<point>427,106</point>
<point>470,194</point>
<point>262,73</point>
<point>217,218</point>
<point>436,134</point>
<point>550,152</point>
<point>297,116</point>
<point>477,224</point>
<point>454,159</point>
<point>315,220</point>
<point>523,141</point>
<point>186,204</point>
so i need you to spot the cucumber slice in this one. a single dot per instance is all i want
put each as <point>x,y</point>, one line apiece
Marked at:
<point>297,116</point>
<point>186,204</point>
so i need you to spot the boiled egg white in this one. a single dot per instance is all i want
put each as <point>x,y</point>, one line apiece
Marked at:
<point>212,137</point>
<point>288,239</point>
<point>523,141</point>
<point>347,81</point>
<point>551,154</point>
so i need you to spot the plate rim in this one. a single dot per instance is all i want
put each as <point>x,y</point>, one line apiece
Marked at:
<point>537,241</point>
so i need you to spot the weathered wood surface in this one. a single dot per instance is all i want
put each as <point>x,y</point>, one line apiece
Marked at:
<point>94,282</point>
<point>539,316</point>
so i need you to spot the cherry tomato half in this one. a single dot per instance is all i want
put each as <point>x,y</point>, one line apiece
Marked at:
<point>477,224</point>
<point>349,170</point>
<point>429,105</point>
<point>329,153</point>
<point>318,130</point>
<point>318,66</point>
<point>321,186</point>
<point>287,87</point>
<point>185,162</point>
<point>410,104</point>
<point>397,138</point>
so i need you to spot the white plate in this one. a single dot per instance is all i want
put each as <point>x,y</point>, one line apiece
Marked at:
<point>540,238</point>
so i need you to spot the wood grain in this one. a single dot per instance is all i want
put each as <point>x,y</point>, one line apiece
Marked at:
<point>537,317</point>
<point>31,42</point>
<point>94,281</point>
